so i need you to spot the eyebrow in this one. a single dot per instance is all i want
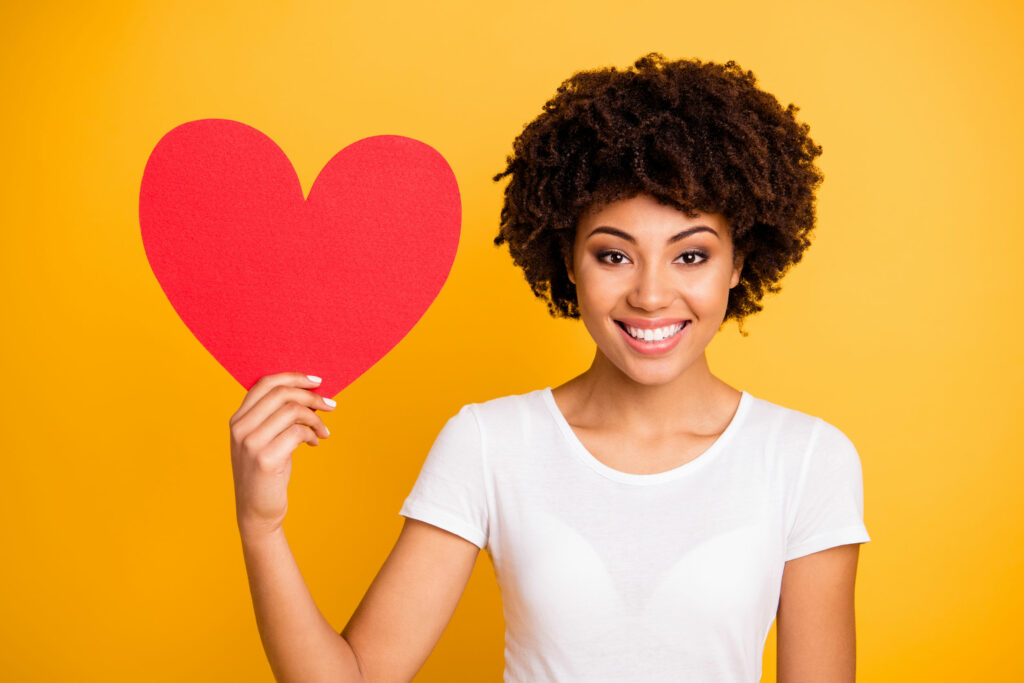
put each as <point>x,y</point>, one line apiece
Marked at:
<point>629,238</point>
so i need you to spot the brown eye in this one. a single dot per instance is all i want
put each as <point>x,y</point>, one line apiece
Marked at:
<point>612,257</point>
<point>693,257</point>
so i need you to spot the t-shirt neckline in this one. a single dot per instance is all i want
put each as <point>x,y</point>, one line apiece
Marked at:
<point>687,468</point>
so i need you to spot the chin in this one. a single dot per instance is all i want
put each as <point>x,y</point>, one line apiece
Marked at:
<point>651,376</point>
<point>651,382</point>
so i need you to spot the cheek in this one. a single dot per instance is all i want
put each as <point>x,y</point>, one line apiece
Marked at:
<point>597,293</point>
<point>592,285</point>
<point>709,293</point>
<point>706,287</point>
<point>593,303</point>
<point>599,296</point>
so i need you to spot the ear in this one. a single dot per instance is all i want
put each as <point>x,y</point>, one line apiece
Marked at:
<point>568,269</point>
<point>737,269</point>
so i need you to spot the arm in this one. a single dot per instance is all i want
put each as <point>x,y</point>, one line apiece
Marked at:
<point>407,606</point>
<point>410,602</point>
<point>816,633</point>
<point>394,628</point>
<point>277,414</point>
<point>300,644</point>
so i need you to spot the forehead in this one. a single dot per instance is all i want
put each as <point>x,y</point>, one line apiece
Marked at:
<point>643,216</point>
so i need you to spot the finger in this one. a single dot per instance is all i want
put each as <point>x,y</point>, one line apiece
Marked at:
<point>284,444</point>
<point>267,383</point>
<point>282,419</point>
<point>272,397</point>
<point>275,457</point>
<point>272,402</point>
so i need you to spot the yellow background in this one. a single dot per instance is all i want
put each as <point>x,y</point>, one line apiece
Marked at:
<point>121,560</point>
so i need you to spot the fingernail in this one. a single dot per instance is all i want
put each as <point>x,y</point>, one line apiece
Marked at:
<point>313,378</point>
<point>329,402</point>
<point>327,430</point>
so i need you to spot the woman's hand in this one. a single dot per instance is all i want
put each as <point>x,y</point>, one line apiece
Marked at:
<point>275,417</point>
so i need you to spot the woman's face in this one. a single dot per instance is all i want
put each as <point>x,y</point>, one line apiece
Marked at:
<point>652,284</point>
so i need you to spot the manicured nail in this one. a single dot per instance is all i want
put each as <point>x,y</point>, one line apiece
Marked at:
<point>329,402</point>
<point>314,379</point>
<point>327,430</point>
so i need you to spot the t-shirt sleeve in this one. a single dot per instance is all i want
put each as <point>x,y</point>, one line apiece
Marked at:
<point>830,495</point>
<point>450,490</point>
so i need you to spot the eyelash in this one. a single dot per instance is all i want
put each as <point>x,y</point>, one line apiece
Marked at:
<point>695,252</point>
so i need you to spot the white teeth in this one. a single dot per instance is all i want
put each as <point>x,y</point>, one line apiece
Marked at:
<point>658,334</point>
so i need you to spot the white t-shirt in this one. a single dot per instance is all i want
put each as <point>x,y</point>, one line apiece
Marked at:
<point>611,576</point>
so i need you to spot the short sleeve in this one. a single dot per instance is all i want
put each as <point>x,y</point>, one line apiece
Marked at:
<point>829,507</point>
<point>450,490</point>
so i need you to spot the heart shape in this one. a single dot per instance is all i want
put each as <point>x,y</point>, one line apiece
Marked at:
<point>269,281</point>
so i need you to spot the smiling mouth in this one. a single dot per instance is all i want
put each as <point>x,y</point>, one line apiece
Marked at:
<point>652,335</point>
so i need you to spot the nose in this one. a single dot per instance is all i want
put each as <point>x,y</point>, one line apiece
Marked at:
<point>652,289</point>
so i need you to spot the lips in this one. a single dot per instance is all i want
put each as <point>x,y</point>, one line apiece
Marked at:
<point>674,328</point>
<point>681,325</point>
<point>651,329</point>
<point>650,323</point>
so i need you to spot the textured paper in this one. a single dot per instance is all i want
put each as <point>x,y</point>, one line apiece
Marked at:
<point>269,281</point>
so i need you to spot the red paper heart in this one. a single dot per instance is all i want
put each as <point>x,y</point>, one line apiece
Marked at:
<point>269,281</point>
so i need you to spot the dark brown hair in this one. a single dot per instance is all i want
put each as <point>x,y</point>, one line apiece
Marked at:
<point>699,136</point>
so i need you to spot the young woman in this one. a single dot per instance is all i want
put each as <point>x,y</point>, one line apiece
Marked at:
<point>646,520</point>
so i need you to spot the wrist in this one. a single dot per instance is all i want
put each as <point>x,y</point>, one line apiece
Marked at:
<point>258,532</point>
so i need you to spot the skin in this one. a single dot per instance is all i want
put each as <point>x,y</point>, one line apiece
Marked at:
<point>411,600</point>
<point>623,397</point>
<point>670,404</point>
<point>646,414</point>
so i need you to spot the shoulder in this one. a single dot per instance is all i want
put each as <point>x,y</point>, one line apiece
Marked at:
<point>513,420</point>
<point>510,409</point>
<point>797,431</point>
<point>781,421</point>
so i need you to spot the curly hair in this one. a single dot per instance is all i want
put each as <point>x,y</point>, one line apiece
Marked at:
<point>695,135</point>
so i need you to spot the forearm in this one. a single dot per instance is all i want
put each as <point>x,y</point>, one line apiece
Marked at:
<point>300,643</point>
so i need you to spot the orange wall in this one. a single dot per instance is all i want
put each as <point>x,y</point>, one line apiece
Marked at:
<point>121,558</point>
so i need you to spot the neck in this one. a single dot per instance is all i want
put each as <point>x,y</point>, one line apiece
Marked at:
<point>689,402</point>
